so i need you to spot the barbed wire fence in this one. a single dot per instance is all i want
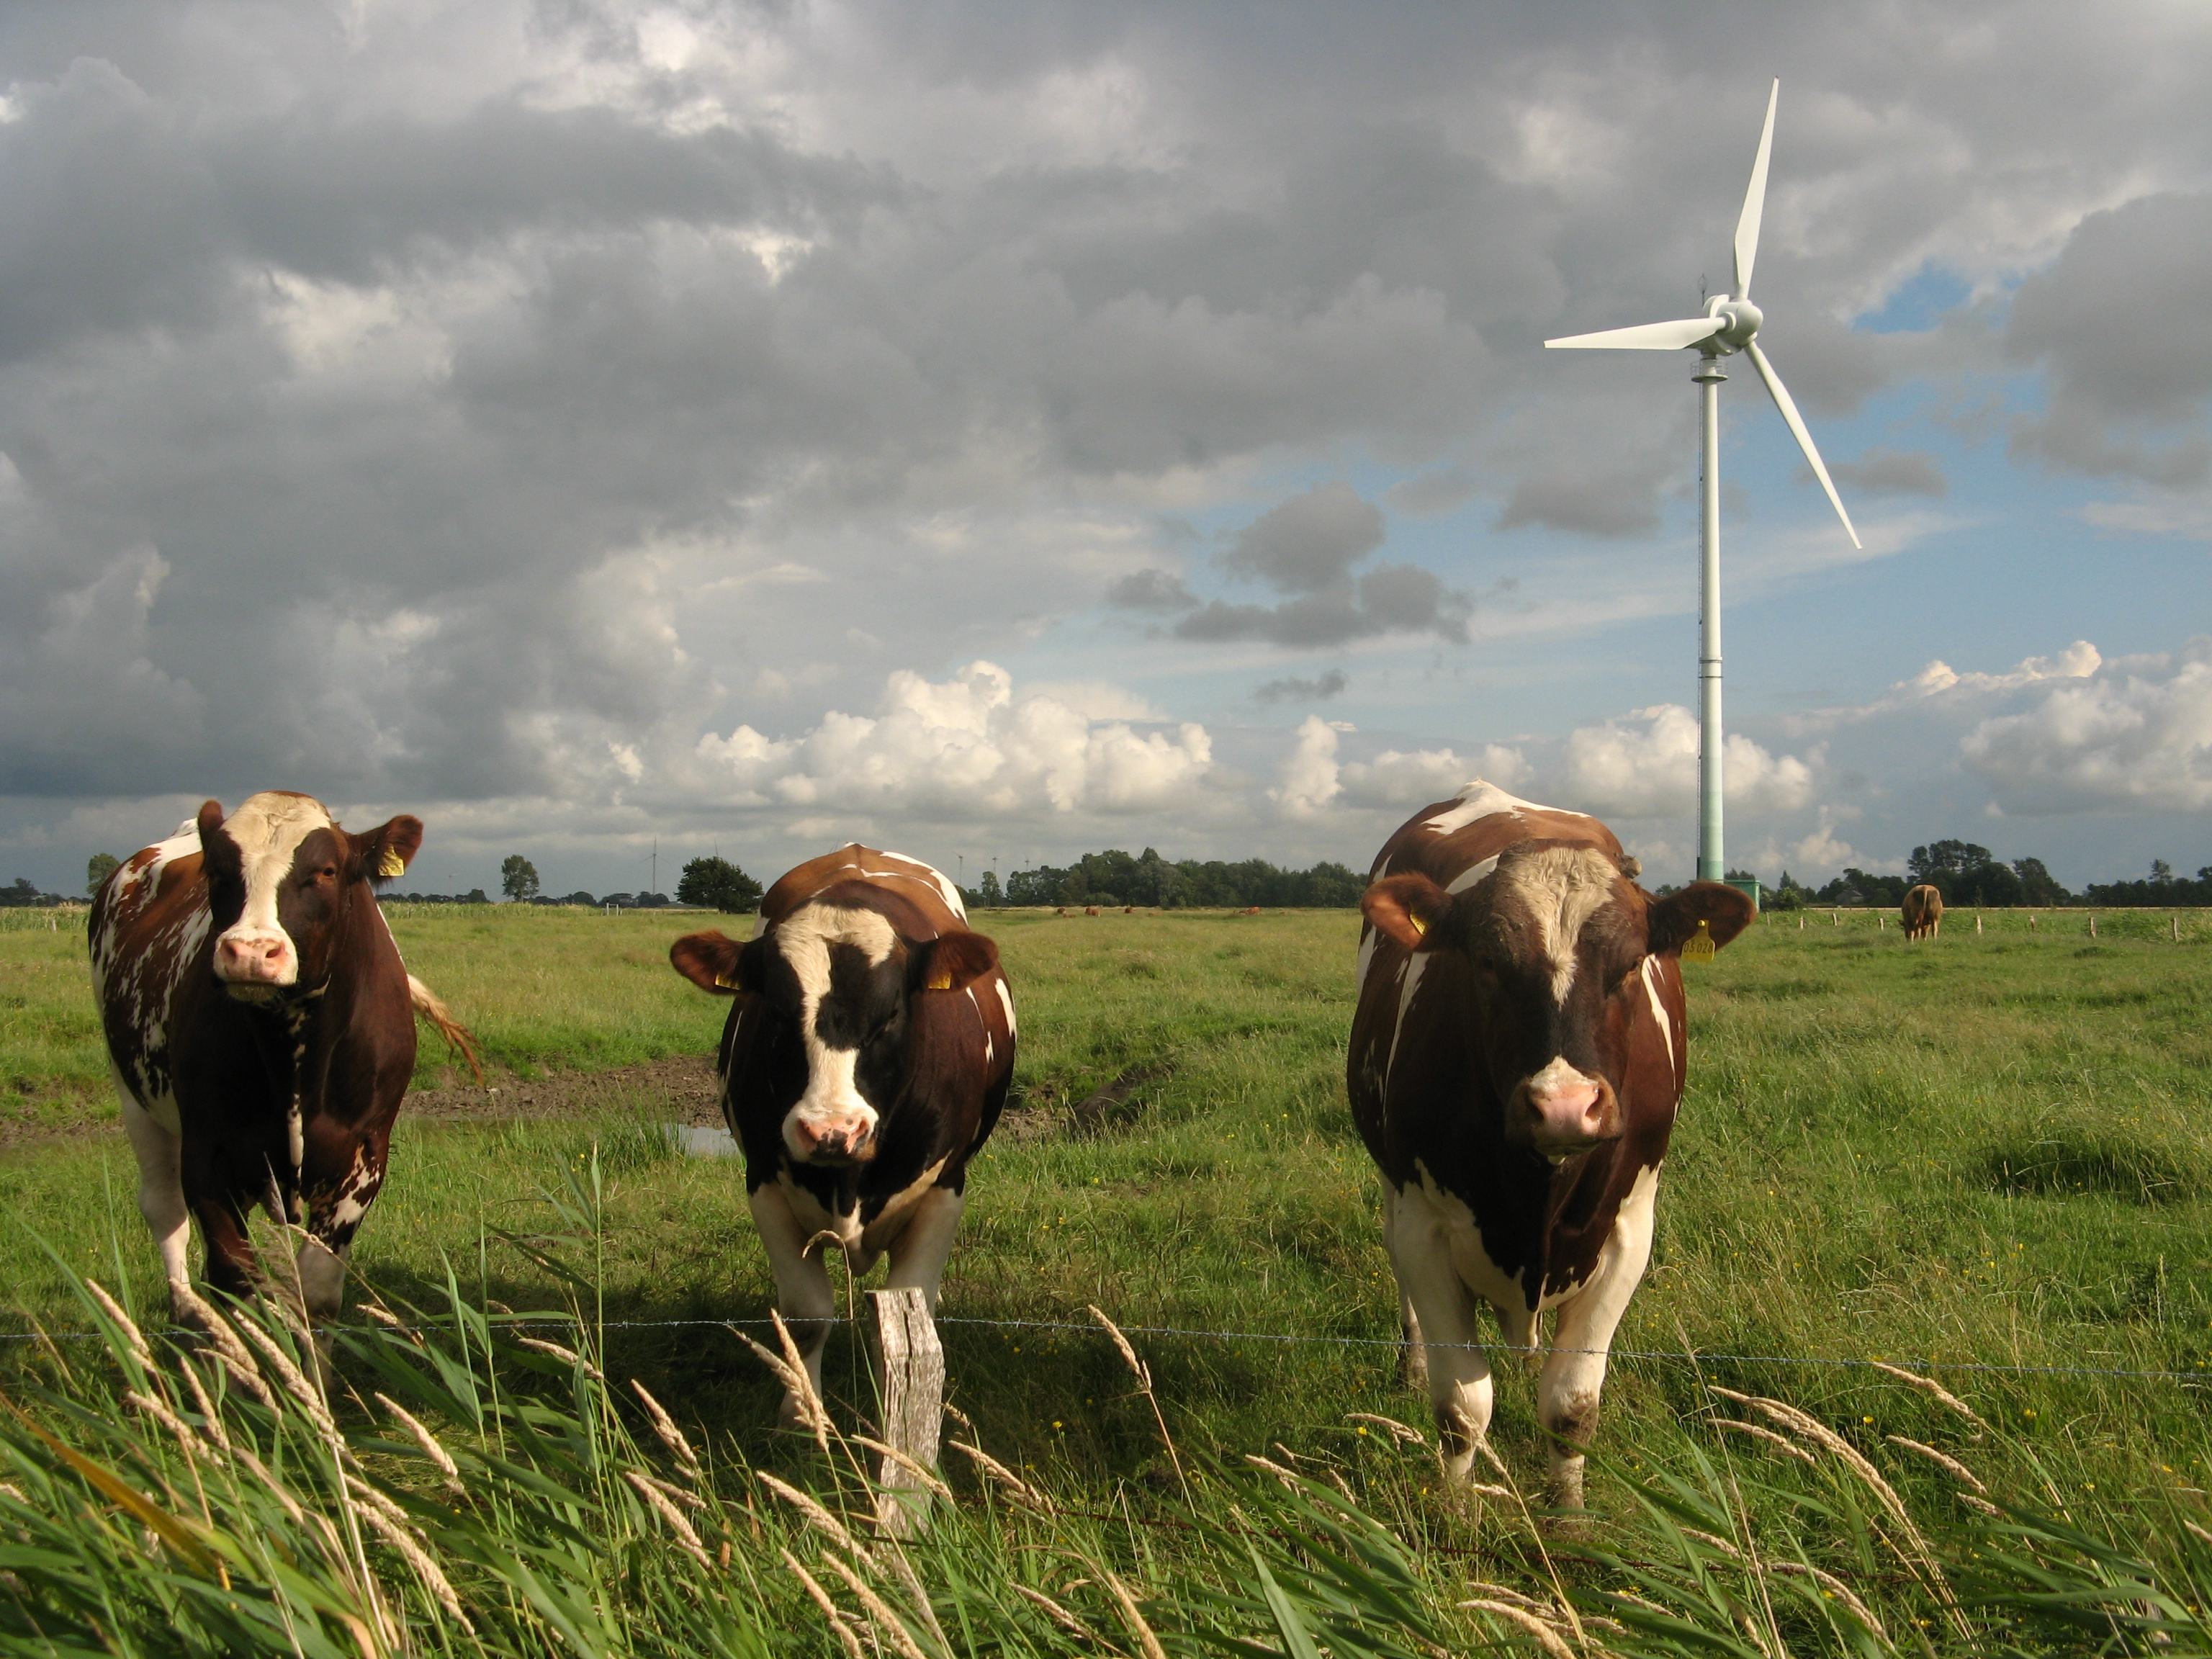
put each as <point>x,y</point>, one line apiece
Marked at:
<point>1687,1355</point>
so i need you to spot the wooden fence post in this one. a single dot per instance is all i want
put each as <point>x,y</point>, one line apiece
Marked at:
<point>1977,924</point>
<point>910,1377</point>
<point>2092,927</point>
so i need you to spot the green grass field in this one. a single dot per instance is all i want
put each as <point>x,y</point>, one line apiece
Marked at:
<point>1991,1150</point>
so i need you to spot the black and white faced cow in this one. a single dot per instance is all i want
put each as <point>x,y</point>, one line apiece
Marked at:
<point>1517,1059</point>
<point>262,1029</point>
<point>865,1061</point>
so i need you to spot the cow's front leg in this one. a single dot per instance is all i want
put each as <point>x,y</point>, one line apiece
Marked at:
<point>1574,1376</point>
<point>160,1153</point>
<point>1413,1358</point>
<point>221,1206</point>
<point>802,1283</point>
<point>923,1245</point>
<point>1444,1312</point>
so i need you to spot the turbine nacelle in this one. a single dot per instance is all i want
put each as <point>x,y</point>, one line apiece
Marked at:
<point>1739,320</point>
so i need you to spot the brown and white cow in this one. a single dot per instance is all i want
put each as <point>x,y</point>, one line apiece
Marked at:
<point>864,1063</point>
<point>1517,1058</point>
<point>1922,913</point>
<point>262,1029</point>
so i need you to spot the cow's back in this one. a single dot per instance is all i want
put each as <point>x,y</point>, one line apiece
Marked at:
<point>934,901</point>
<point>1449,839</point>
<point>149,924</point>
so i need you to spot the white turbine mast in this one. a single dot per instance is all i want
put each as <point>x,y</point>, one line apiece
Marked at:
<point>1731,324</point>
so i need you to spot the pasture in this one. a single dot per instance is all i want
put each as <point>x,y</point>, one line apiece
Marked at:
<point>1985,1151</point>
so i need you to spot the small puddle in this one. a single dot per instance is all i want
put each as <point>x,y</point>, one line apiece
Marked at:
<point>699,1140</point>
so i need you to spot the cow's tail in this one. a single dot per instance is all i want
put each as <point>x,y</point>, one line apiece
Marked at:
<point>427,1005</point>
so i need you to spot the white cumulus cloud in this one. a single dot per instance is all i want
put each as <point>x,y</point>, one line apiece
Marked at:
<point>2132,734</point>
<point>1644,764</point>
<point>957,748</point>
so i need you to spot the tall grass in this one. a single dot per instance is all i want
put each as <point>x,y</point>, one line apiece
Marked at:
<point>465,1478</point>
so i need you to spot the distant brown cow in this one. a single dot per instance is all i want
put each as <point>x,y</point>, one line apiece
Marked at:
<point>1090,909</point>
<point>1251,909</point>
<point>1924,913</point>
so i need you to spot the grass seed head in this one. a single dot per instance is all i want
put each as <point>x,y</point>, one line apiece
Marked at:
<point>664,1426</point>
<point>821,1599</point>
<point>428,1442</point>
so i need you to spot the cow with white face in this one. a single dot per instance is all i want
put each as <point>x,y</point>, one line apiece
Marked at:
<point>262,1029</point>
<point>865,1060</point>
<point>1517,1059</point>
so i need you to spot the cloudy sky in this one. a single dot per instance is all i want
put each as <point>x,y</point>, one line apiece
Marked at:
<point>1001,430</point>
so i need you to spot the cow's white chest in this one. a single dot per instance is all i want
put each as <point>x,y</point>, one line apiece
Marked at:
<point>862,1244</point>
<point>1450,1217</point>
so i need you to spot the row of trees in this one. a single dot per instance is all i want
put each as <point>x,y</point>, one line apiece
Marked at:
<point>1965,873</point>
<point>1114,878</point>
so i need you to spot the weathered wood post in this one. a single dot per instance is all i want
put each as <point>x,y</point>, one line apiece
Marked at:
<point>1977,924</point>
<point>2092,927</point>
<point>2031,924</point>
<point>910,1381</point>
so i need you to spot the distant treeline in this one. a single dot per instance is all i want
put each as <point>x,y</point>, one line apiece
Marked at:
<point>1964,873</point>
<point>477,895</point>
<point>21,895</point>
<point>1114,878</point>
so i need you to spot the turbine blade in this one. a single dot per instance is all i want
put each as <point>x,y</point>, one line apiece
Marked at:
<point>1645,337</point>
<point>1797,424</point>
<point>1754,202</point>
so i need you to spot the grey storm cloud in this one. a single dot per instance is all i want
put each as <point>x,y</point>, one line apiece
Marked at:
<point>1306,549</point>
<point>1292,689</point>
<point>2123,320</point>
<point>1308,542</point>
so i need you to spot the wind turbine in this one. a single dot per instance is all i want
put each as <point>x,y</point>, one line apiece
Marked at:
<point>1731,324</point>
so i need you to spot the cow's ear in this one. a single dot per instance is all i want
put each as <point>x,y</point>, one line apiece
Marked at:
<point>1406,908</point>
<point>1726,911</point>
<point>386,851</point>
<point>713,961</point>
<point>952,961</point>
<point>219,855</point>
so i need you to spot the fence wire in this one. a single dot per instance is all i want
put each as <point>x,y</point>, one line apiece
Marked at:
<point>1686,1355</point>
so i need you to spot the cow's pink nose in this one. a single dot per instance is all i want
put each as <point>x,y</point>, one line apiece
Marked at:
<point>1575,1103</point>
<point>252,958</point>
<point>1568,1108</point>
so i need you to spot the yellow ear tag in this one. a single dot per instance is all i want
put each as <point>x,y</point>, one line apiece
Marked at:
<point>1701,948</point>
<point>391,863</point>
<point>1420,926</point>
<point>941,983</point>
<point>723,981</point>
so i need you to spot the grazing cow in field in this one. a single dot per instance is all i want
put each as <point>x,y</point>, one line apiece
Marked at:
<point>864,1063</point>
<point>1924,913</point>
<point>262,1029</point>
<point>1517,1057</point>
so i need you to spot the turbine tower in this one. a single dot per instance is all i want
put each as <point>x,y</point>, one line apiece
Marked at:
<point>1731,324</point>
